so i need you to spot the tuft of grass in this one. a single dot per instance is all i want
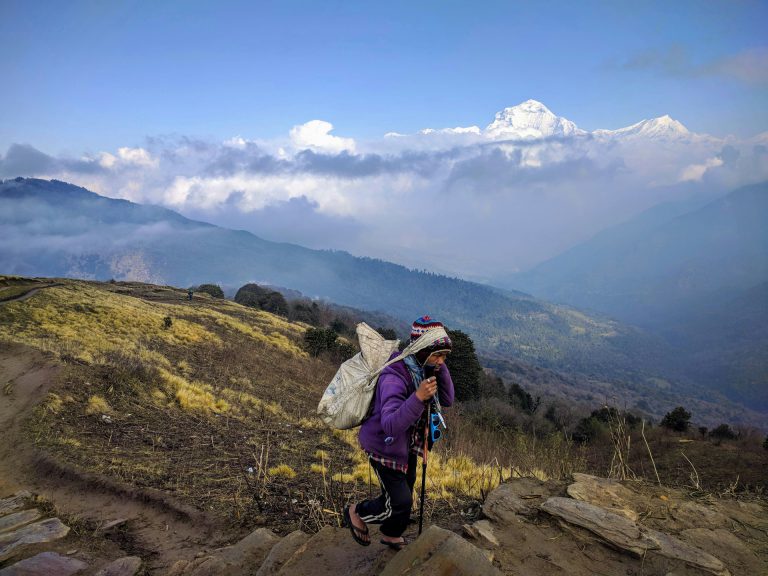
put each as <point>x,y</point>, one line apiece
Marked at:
<point>97,405</point>
<point>282,471</point>
<point>53,403</point>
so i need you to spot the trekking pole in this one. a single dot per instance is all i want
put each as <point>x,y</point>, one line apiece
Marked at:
<point>424,468</point>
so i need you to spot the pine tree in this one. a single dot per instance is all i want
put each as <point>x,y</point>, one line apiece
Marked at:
<point>464,366</point>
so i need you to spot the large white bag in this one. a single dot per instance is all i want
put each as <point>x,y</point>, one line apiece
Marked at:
<point>347,399</point>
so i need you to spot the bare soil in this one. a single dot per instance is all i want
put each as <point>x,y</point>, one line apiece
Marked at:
<point>154,528</point>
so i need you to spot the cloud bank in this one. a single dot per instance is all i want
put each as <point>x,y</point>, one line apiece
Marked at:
<point>479,203</point>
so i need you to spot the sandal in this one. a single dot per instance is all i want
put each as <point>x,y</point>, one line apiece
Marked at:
<point>355,530</point>
<point>395,545</point>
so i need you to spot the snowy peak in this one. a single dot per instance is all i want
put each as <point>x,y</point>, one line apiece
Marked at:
<point>661,127</point>
<point>529,120</point>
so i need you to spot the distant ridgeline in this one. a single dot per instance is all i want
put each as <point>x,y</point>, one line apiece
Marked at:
<point>693,272</point>
<point>53,228</point>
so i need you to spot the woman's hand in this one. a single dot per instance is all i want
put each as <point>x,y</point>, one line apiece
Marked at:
<point>427,389</point>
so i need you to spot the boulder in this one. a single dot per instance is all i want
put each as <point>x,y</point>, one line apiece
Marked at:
<point>43,531</point>
<point>332,551</point>
<point>45,564</point>
<point>694,515</point>
<point>126,566</point>
<point>240,558</point>
<point>282,552</point>
<point>519,496</point>
<point>605,493</point>
<point>439,551</point>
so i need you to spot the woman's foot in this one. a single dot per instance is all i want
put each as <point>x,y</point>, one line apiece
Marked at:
<point>396,543</point>
<point>356,525</point>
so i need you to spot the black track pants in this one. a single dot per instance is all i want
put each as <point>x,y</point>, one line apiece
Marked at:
<point>392,509</point>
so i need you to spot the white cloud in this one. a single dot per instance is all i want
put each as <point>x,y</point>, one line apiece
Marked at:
<point>695,172</point>
<point>315,135</point>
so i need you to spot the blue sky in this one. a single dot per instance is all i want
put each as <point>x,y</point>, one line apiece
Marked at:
<point>87,76</point>
<point>272,116</point>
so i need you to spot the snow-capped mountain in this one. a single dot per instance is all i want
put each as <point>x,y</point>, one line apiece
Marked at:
<point>662,127</point>
<point>531,119</point>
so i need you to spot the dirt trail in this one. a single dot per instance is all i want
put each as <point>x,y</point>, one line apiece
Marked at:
<point>156,529</point>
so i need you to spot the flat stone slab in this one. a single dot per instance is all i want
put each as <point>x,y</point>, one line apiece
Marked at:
<point>614,528</point>
<point>439,551</point>
<point>282,552</point>
<point>627,535</point>
<point>15,502</point>
<point>45,564</point>
<point>605,493</point>
<point>43,531</point>
<point>14,521</point>
<point>127,566</point>
<point>521,496</point>
<point>727,548</point>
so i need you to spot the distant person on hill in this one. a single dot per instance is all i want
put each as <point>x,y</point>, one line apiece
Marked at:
<point>189,294</point>
<point>393,435</point>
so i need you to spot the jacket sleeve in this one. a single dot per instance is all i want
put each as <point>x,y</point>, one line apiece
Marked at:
<point>399,409</point>
<point>445,392</point>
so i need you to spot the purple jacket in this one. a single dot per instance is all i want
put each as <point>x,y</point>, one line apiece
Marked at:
<point>396,410</point>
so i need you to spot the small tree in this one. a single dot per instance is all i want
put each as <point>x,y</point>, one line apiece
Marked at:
<point>464,366</point>
<point>703,431</point>
<point>213,289</point>
<point>678,419</point>
<point>167,322</point>
<point>319,340</point>
<point>520,398</point>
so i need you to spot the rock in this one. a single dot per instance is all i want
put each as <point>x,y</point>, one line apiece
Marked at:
<point>605,493</point>
<point>439,551</point>
<point>13,521</point>
<point>282,552</point>
<point>727,548</point>
<point>482,531</point>
<point>627,535</point>
<point>332,552</point>
<point>127,566</point>
<point>694,515</point>
<point>113,524</point>
<point>14,502</point>
<point>671,547</point>
<point>43,531</point>
<point>618,530</point>
<point>237,559</point>
<point>45,564</point>
<point>519,496</point>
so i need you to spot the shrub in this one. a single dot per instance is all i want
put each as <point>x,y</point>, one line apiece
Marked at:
<point>167,322</point>
<point>521,399</point>
<point>678,419</point>
<point>765,443</point>
<point>723,432</point>
<point>213,289</point>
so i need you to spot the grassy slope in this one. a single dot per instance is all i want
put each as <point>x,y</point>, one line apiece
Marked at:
<point>218,409</point>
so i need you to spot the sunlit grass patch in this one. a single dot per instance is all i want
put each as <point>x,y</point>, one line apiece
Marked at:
<point>53,403</point>
<point>97,405</point>
<point>282,471</point>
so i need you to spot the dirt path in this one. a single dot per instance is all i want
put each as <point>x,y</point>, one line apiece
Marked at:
<point>152,527</point>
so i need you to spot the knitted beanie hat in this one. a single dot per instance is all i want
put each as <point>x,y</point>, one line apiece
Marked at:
<point>419,327</point>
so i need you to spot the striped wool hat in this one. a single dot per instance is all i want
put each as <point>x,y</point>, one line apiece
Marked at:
<point>425,323</point>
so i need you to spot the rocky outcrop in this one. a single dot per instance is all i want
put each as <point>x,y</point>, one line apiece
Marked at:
<point>45,564</point>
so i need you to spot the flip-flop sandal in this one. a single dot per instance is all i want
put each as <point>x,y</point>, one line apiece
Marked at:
<point>355,530</point>
<point>395,545</point>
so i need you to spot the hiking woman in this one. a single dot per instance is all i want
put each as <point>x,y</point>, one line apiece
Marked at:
<point>393,434</point>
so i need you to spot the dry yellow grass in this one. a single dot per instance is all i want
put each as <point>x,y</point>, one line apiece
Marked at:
<point>97,405</point>
<point>282,471</point>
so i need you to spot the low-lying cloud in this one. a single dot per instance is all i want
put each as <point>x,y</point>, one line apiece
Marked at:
<point>451,200</point>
